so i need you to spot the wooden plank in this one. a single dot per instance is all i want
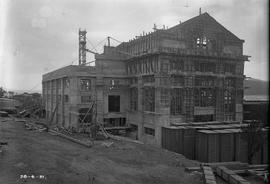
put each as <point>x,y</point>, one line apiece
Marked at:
<point>191,169</point>
<point>240,171</point>
<point>117,128</point>
<point>265,166</point>
<point>119,138</point>
<point>71,139</point>
<point>230,176</point>
<point>230,165</point>
<point>208,175</point>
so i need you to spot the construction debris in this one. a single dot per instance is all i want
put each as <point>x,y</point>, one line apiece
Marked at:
<point>107,144</point>
<point>33,126</point>
<point>260,166</point>
<point>232,171</point>
<point>192,169</point>
<point>3,114</point>
<point>105,133</point>
<point>260,171</point>
<point>230,176</point>
<point>3,143</point>
<point>20,120</point>
<point>1,146</point>
<point>208,175</point>
<point>87,144</point>
<point>6,119</point>
<point>120,138</point>
<point>230,165</point>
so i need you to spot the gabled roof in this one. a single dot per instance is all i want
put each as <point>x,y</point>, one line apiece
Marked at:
<point>205,17</point>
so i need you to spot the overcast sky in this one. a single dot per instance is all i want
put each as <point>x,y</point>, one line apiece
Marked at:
<point>38,36</point>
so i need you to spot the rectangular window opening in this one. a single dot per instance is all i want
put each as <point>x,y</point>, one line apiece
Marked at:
<point>149,131</point>
<point>114,103</point>
<point>85,84</point>
<point>85,99</point>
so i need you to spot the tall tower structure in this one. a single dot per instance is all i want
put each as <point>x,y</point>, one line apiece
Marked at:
<point>82,46</point>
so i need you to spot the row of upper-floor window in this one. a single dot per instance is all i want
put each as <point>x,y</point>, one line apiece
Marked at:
<point>180,80</point>
<point>58,98</point>
<point>147,66</point>
<point>56,84</point>
<point>175,99</point>
<point>174,80</point>
<point>220,68</point>
<point>55,98</point>
<point>84,84</point>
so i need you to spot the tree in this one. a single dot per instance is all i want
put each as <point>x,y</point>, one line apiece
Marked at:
<point>2,92</point>
<point>255,137</point>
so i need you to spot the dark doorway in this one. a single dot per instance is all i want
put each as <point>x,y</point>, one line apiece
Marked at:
<point>114,103</point>
<point>133,132</point>
<point>203,118</point>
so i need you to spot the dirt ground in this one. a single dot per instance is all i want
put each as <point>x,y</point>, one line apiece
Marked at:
<point>61,161</point>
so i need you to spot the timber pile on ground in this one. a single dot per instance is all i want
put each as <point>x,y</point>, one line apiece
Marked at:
<point>32,124</point>
<point>84,143</point>
<point>208,175</point>
<point>234,172</point>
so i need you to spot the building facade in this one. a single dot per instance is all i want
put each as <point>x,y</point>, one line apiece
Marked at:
<point>192,72</point>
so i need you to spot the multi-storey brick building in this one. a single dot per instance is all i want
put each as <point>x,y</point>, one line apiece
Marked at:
<point>192,72</point>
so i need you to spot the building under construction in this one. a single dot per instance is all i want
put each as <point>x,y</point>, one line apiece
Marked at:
<point>192,72</point>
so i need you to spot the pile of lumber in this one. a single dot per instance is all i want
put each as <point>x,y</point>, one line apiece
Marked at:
<point>208,175</point>
<point>230,165</point>
<point>230,176</point>
<point>260,171</point>
<point>33,126</point>
<point>87,144</point>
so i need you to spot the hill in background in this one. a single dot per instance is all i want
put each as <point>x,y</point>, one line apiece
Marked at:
<point>255,87</point>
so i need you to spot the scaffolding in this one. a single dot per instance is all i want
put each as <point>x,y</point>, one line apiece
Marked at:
<point>82,47</point>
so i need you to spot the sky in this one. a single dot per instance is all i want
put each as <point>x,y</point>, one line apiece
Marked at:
<point>39,36</point>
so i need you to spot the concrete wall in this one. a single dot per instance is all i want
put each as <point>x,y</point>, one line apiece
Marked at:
<point>204,110</point>
<point>111,67</point>
<point>67,111</point>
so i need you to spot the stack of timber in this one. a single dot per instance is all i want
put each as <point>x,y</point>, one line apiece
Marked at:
<point>87,144</point>
<point>230,176</point>
<point>211,142</point>
<point>230,165</point>
<point>208,175</point>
